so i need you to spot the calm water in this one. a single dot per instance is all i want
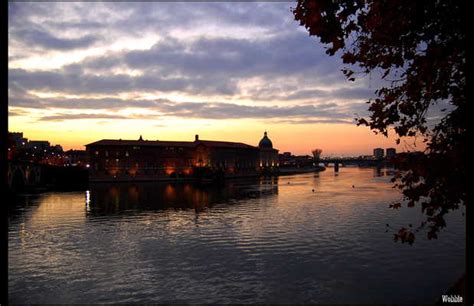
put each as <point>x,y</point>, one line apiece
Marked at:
<point>251,241</point>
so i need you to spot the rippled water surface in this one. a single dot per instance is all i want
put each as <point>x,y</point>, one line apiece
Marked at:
<point>248,241</point>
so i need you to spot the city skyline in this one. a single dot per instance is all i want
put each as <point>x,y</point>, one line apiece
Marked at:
<point>81,72</point>
<point>30,142</point>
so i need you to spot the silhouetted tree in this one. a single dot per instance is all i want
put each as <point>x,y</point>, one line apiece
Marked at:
<point>316,155</point>
<point>419,49</point>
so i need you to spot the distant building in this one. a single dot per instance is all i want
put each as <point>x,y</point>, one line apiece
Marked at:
<point>38,145</point>
<point>268,155</point>
<point>17,138</point>
<point>151,160</point>
<point>57,148</point>
<point>33,151</point>
<point>288,160</point>
<point>390,152</point>
<point>76,158</point>
<point>378,153</point>
<point>366,157</point>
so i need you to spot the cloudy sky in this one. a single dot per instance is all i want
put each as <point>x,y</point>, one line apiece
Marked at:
<point>80,72</point>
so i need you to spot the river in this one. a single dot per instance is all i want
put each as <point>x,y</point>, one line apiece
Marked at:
<point>307,238</point>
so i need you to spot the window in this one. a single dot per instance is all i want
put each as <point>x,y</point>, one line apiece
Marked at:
<point>96,152</point>
<point>106,153</point>
<point>126,153</point>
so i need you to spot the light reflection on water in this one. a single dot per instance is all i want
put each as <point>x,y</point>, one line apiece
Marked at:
<point>249,241</point>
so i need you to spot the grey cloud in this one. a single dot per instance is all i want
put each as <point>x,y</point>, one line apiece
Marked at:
<point>146,17</point>
<point>16,112</point>
<point>290,63</point>
<point>292,54</point>
<point>308,94</point>
<point>236,111</point>
<point>207,66</point>
<point>77,83</point>
<point>41,38</point>
<point>317,121</point>
<point>79,25</point>
<point>80,103</point>
<point>269,94</point>
<point>183,109</point>
<point>187,15</point>
<point>353,93</point>
<point>62,117</point>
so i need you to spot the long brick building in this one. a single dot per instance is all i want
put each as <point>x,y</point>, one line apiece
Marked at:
<point>129,160</point>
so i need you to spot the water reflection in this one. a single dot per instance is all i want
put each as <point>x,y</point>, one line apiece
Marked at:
<point>263,241</point>
<point>122,197</point>
<point>381,172</point>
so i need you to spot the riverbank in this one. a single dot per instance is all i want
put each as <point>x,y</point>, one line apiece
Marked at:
<point>69,178</point>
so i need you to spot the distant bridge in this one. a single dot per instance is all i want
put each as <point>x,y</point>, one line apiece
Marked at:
<point>22,174</point>
<point>357,161</point>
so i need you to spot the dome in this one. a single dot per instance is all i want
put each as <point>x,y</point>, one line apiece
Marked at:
<point>265,143</point>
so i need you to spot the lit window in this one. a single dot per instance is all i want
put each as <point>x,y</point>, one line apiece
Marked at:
<point>126,153</point>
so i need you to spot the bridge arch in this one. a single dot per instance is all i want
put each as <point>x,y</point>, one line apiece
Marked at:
<point>17,182</point>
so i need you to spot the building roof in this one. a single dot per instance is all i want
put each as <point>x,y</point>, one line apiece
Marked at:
<point>265,142</point>
<point>157,143</point>
<point>225,144</point>
<point>72,151</point>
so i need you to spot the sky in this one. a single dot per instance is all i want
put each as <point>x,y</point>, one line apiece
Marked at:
<point>81,72</point>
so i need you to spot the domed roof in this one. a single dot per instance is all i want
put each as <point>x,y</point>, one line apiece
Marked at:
<point>265,143</point>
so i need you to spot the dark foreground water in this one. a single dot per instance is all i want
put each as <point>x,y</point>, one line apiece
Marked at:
<point>250,241</point>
